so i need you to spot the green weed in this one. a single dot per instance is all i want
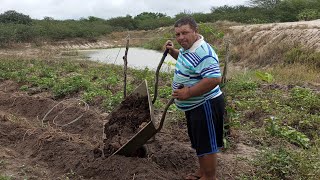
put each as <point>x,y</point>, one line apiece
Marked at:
<point>24,88</point>
<point>70,85</point>
<point>267,77</point>
<point>287,132</point>
<point>305,100</point>
<point>287,164</point>
<point>5,177</point>
<point>112,100</point>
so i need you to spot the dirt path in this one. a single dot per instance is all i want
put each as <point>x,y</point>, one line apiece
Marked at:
<point>34,147</point>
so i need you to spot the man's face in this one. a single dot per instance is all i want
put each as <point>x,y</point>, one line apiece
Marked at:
<point>185,36</point>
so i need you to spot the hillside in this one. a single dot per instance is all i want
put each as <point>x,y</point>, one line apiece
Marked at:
<point>265,44</point>
<point>306,33</point>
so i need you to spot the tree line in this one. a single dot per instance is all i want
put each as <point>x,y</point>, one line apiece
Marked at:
<point>18,27</point>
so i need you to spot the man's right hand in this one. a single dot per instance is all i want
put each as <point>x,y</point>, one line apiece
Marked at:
<point>169,45</point>
<point>172,51</point>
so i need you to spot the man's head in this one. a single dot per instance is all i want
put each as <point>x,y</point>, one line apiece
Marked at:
<point>186,30</point>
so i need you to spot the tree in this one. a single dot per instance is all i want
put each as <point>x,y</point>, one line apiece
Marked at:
<point>308,14</point>
<point>46,18</point>
<point>93,18</point>
<point>15,17</point>
<point>269,4</point>
<point>149,20</point>
<point>124,22</point>
<point>149,15</point>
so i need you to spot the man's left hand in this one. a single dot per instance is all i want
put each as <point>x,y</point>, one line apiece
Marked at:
<point>181,94</point>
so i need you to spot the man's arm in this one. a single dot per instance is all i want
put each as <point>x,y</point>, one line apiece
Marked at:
<point>172,51</point>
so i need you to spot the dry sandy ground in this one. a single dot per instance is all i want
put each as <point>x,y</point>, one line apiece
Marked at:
<point>306,33</point>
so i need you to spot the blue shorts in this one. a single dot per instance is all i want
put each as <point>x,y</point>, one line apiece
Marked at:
<point>205,126</point>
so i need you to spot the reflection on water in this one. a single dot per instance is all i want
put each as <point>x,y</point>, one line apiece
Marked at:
<point>137,57</point>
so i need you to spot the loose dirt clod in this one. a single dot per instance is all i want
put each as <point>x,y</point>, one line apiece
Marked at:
<point>125,121</point>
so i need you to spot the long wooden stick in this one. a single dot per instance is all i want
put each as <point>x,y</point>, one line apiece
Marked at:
<point>224,82</point>
<point>226,61</point>
<point>165,53</point>
<point>125,64</point>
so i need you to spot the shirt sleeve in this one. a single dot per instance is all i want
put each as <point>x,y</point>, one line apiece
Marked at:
<point>209,68</point>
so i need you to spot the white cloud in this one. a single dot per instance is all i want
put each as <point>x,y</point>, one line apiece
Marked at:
<point>75,9</point>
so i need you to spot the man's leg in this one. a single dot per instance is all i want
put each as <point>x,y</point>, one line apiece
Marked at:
<point>208,166</point>
<point>205,128</point>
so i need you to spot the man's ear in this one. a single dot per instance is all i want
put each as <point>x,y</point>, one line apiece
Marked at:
<point>196,30</point>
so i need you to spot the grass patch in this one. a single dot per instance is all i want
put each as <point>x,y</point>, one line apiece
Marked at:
<point>5,177</point>
<point>294,74</point>
<point>281,120</point>
<point>287,164</point>
<point>91,81</point>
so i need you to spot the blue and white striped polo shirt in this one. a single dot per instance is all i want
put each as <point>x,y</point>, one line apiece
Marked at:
<point>194,64</point>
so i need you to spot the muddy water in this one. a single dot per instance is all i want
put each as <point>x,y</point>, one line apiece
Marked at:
<point>137,57</point>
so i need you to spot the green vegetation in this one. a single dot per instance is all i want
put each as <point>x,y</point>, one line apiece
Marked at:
<point>5,177</point>
<point>282,121</point>
<point>302,55</point>
<point>283,163</point>
<point>17,27</point>
<point>52,30</point>
<point>15,18</point>
<point>65,78</point>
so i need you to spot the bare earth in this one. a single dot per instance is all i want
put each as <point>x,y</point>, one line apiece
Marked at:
<point>33,146</point>
<point>305,32</point>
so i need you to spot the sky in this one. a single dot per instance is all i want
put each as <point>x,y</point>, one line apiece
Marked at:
<point>106,9</point>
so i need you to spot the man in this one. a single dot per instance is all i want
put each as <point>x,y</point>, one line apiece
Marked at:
<point>197,68</point>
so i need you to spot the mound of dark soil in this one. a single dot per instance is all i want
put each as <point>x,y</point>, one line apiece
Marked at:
<point>125,121</point>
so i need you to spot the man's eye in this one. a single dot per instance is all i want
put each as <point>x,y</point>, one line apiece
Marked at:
<point>184,33</point>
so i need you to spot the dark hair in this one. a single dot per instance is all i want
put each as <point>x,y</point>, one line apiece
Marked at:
<point>185,21</point>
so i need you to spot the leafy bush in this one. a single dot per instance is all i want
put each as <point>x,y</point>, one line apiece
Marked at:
<point>149,20</point>
<point>123,22</point>
<point>308,14</point>
<point>12,16</point>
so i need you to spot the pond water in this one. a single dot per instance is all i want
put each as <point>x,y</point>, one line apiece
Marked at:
<point>138,58</point>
